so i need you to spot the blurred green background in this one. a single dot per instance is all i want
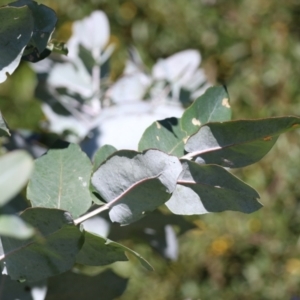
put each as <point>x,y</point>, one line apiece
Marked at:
<point>252,46</point>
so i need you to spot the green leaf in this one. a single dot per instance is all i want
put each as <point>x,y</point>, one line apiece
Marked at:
<point>210,188</point>
<point>4,131</point>
<point>15,169</point>
<point>44,24</point>
<point>99,251</point>
<point>238,143</point>
<point>13,226</point>
<point>142,260</point>
<point>134,182</point>
<point>106,285</point>
<point>35,259</point>
<point>212,106</point>
<point>165,135</point>
<point>15,32</point>
<point>60,179</point>
<point>102,154</point>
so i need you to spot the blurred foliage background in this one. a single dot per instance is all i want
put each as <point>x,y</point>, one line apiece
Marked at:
<point>253,47</point>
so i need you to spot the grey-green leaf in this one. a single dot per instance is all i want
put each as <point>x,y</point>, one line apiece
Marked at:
<point>15,32</point>
<point>60,179</point>
<point>44,23</point>
<point>13,226</point>
<point>39,258</point>
<point>210,188</point>
<point>102,154</point>
<point>165,135</point>
<point>136,202</point>
<point>212,106</point>
<point>134,182</point>
<point>15,169</point>
<point>238,143</point>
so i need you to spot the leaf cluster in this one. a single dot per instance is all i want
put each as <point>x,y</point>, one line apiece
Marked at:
<point>183,163</point>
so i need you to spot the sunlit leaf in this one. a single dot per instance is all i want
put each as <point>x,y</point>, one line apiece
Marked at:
<point>238,143</point>
<point>212,106</point>
<point>210,188</point>
<point>60,179</point>
<point>136,182</point>
<point>165,135</point>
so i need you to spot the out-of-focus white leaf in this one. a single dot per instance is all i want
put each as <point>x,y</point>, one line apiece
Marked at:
<point>44,66</point>
<point>92,32</point>
<point>199,78</point>
<point>60,123</point>
<point>73,77</point>
<point>15,169</point>
<point>132,86</point>
<point>123,125</point>
<point>179,67</point>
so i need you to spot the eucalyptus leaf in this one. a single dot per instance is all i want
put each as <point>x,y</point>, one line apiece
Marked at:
<point>106,285</point>
<point>210,188</point>
<point>38,258</point>
<point>165,135</point>
<point>60,179</point>
<point>134,182</point>
<point>15,169</point>
<point>136,202</point>
<point>44,24</point>
<point>15,32</point>
<point>144,262</point>
<point>92,33</point>
<point>99,251</point>
<point>238,143</point>
<point>102,154</point>
<point>212,106</point>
